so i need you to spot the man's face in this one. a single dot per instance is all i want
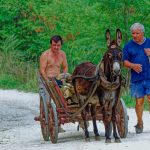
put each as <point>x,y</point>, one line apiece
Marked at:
<point>138,35</point>
<point>55,47</point>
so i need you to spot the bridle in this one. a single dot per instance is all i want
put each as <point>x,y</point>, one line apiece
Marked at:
<point>113,55</point>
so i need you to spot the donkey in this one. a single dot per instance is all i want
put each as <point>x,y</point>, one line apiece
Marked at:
<point>110,85</point>
<point>89,84</point>
<point>84,81</point>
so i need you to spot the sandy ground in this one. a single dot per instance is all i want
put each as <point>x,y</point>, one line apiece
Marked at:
<point>18,130</point>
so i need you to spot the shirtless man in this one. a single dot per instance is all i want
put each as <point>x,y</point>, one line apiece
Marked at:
<point>53,60</point>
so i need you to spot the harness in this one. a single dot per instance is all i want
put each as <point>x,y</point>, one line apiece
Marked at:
<point>98,79</point>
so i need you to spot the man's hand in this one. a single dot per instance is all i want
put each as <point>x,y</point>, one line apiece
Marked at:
<point>137,67</point>
<point>147,51</point>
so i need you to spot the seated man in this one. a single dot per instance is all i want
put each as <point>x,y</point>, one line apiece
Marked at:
<point>53,60</point>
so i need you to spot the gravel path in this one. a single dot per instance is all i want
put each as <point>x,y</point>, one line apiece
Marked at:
<point>19,130</point>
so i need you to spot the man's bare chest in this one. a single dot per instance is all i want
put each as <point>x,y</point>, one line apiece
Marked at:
<point>55,60</point>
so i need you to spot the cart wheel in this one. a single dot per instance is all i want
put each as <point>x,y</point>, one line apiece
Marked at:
<point>122,122</point>
<point>53,123</point>
<point>43,115</point>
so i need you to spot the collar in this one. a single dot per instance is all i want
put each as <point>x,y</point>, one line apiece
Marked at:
<point>141,42</point>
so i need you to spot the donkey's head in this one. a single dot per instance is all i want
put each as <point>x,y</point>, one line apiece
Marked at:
<point>113,56</point>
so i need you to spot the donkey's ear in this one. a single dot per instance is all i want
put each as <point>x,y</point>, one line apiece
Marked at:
<point>108,38</point>
<point>118,37</point>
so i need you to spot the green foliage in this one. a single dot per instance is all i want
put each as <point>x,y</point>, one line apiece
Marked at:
<point>8,82</point>
<point>10,44</point>
<point>82,24</point>
<point>15,73</point>
<point>11,82</point>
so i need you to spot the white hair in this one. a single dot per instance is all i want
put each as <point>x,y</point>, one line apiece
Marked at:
<point>137,26</point>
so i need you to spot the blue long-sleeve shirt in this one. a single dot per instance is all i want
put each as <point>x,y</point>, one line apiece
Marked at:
<point>134,53</point>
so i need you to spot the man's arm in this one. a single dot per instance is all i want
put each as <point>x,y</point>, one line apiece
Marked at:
<point>126,58</point>
<point>136,67</point>
<point>43,64</point>
<point>65,64</point>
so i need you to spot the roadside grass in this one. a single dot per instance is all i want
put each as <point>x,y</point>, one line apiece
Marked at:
<point>129,101</point>
<point>10,82</point>
<point>17,74</point>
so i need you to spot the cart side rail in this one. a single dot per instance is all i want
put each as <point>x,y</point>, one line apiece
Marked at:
<point>54,91</point>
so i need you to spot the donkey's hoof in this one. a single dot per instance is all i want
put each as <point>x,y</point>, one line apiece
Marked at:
<point>97,138</point>
<point>87,139</point>
<point>108,141</point>
<point>117,140</point>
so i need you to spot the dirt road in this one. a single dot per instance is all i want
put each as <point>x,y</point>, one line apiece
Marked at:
<point>18,130</point>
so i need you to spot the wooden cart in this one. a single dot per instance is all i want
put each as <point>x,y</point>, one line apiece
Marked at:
<point>55,110</point>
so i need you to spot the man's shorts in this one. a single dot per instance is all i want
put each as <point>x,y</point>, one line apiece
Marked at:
<point>59,82</point>
<point>140,88</point>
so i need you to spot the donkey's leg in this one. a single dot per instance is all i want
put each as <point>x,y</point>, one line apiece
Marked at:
<point>115,133</point>
<point>107,123</point>
<point>87,137</point>
<point>107,132</point>
<point>84,117</point>
<point>93,114</point>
